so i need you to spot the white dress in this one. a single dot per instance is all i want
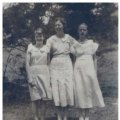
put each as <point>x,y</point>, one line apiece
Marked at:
<point>61,70</point>
<point>87,90</point>
<point>39,73</point>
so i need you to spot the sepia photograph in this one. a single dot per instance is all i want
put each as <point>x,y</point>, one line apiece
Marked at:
<point>60,61</point>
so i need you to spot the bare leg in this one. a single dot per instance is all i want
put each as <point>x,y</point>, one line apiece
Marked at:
<point>59,113</point>
<point>87,114</point>
<point>43,110</point>
<point>65,113</point>
<point>35,109</point>
<point>82,114</point>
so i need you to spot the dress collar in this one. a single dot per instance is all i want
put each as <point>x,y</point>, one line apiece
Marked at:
<point>63,39</point>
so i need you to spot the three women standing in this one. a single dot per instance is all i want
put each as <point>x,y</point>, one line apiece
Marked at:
<point>82,85</point>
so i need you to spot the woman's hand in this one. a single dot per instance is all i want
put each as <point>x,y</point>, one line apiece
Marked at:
<point>32,84</point>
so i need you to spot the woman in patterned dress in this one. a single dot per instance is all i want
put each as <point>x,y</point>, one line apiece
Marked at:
<point>38,73</point>
<point>61,69</point>
<point>87,90</point>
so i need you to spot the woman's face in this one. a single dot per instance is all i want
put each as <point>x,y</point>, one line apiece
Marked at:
<point>82,30</point>
<point>58,26</point>
<point>39,37</point>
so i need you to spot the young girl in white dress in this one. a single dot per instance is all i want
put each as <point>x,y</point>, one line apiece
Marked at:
<point>38,73</point>
<point>87,90</point>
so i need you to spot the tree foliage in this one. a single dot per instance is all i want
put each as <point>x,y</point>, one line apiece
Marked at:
<point>21,19</point>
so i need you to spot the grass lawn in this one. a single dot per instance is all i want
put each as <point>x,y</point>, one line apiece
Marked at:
<point>22,111</point>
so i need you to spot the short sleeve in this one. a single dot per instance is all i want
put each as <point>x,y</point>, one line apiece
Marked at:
<point>29,49</point>
<point>73,41</point>
<point>75,46</point>
<point>45,49</point>
<point>94,47</point>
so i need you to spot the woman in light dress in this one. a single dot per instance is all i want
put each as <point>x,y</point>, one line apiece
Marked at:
<point>38,73</point>
<point>61,69</point>
<point>87,90</point>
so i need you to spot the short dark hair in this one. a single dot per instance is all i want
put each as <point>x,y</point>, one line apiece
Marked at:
<point>83,24</point>
<point>61,19</point>
<point>38,30</point>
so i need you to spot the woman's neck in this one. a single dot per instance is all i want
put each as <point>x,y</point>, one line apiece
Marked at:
<point>60,34</point>
<point>38,45</point>
<point>82,39</point>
